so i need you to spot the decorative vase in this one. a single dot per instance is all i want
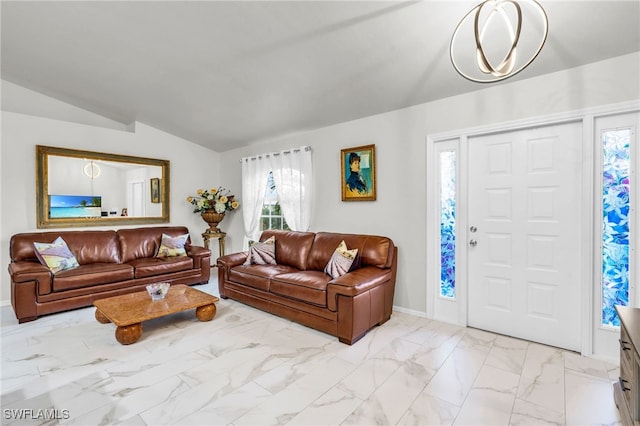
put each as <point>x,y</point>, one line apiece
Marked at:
<point>213,219</point>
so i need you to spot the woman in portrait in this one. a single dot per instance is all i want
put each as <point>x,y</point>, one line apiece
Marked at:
<point>355,182</point>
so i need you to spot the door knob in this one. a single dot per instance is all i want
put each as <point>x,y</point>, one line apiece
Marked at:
<point>473,243</point>
<point>473,229</point>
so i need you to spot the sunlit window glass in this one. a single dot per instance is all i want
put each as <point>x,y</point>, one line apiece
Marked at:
<point>448,224</point>
<point>615,223</point>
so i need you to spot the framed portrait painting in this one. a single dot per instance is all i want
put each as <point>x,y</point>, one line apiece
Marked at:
<point>155,190</point>
<point>358,173</point>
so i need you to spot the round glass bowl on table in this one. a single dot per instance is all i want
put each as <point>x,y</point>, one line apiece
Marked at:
<point>157,291</point>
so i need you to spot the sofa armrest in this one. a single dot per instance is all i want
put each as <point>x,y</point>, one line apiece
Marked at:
<point>225,263</point>
<point>197,251</point>
<point>356,282</point>
<point>26,272</point>
<point>199,254</point>
<point>230,260</point>
<point>28,280</point>
<point>201,260</point>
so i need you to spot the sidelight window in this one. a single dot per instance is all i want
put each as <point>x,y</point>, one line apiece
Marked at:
<point>615,222</point>
<point>447,224</point>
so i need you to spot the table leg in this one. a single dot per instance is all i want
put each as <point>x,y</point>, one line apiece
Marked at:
<point>206,312</point>
<point>102,319</point>
<point>128,334</point>
<point>221,246</point>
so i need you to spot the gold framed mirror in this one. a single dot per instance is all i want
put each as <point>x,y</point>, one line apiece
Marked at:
<point>85,188</point>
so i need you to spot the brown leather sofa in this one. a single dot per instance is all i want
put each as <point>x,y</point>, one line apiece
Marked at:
<point>111,263</point>
<point>297,288</point>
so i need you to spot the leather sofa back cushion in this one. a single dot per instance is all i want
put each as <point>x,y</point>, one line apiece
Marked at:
<point>86,246</point>
<point>144,242</point>
<point>292,248</point>
<point>372,250</point>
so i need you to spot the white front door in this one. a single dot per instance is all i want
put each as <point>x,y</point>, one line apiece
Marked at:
<point>524,240</point>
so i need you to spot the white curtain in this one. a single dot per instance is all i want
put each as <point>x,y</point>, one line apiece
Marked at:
<point>255,172</point>
<point>292,177</point>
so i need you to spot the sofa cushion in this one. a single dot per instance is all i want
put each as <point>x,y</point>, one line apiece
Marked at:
<point>87,246</point>
<point>262,253</point>
<point>149,267</point>
<point>172,246</point>
<point>92,274</point>
<point>307,286</point>
<point>292,248</point>
<point>372,250</point>
<point>341,261</point>
<point>257,276</point>
<point>56,255</point>
<point>140,243</point>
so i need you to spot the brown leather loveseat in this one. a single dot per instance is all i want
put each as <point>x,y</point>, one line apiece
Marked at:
<point>111,262</point>
<point>297,288</point>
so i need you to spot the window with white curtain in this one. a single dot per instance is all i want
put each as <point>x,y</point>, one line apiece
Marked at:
<point>291,171</point>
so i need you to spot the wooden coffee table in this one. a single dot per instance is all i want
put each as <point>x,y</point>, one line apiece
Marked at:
<point>129,310</point>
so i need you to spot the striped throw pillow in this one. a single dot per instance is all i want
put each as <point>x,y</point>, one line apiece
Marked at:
<point>341,261</point>
<point>263,253</point>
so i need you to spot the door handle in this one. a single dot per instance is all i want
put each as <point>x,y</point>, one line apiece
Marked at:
<point>473,243</point>
<point>622,382</point>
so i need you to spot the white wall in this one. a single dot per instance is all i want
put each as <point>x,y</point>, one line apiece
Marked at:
<point>192,166</point>
<point>399,136</point>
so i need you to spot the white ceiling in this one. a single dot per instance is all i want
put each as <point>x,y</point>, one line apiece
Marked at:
<point>226,73</point>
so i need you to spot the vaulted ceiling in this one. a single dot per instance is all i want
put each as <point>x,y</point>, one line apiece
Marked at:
<point>226,73</point>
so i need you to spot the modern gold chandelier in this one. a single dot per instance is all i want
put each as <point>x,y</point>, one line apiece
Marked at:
<point>91,170</point>
<point>497,39</point>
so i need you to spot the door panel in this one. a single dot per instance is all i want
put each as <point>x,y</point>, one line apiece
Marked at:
<point>524,271</point>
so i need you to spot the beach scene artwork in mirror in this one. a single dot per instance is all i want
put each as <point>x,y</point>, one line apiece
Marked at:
<point>75,206</point>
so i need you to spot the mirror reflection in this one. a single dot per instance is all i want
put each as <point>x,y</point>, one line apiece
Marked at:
<point>82,188</point>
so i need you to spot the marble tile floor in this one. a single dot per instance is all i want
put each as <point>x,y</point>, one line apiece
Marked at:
<point>247,367</point>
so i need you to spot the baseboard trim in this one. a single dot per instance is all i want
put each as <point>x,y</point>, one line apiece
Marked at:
<point>410,311</point>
